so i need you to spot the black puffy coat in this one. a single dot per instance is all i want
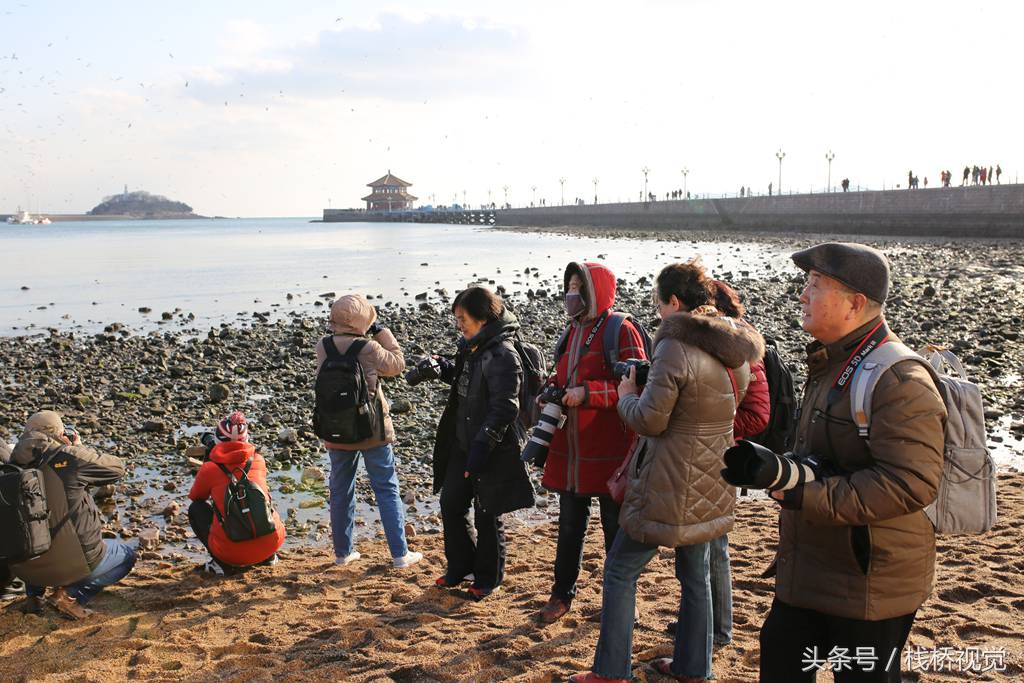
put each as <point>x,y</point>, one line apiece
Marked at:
<point>495,373</point>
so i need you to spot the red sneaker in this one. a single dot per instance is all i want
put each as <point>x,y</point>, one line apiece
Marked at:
<point>664,667</point>
<point>591,677</point>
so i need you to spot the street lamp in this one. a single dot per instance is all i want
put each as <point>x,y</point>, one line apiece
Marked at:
<point>595,190</point>
<point>533,202</point>
<point>686,172</point>
<point>829,156</point>
<point>463,199</point>
<point>505,188</point>
<point>561,181</point>
<point>645,172</point>
<point>488,197</point>
<point>780,155</point>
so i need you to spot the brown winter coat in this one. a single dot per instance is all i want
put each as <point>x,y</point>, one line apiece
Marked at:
<point>675,494</point>
<point>861,545</point>
<point>351,317</point>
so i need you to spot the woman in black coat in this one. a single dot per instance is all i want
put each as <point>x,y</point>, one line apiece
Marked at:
<point>479,439</point>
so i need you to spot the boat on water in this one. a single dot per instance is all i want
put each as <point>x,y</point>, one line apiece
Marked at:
<point>25,218</point>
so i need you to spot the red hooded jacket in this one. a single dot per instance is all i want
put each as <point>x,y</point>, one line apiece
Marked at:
<point>211,482</point>
<point>585,453</point>
<point>755,409</point>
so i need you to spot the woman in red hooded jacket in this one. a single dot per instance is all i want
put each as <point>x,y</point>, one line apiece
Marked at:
<point>594,441</point>
<point>233,451</point>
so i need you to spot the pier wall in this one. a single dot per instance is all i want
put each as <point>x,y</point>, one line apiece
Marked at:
<point>991,211</point>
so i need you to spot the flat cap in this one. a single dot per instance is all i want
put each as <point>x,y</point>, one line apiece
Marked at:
<point>858,266</point>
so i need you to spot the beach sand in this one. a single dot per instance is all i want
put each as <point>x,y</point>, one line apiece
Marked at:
<point>307,620</point>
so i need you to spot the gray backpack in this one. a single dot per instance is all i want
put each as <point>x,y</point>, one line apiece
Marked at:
<point>966,502</point>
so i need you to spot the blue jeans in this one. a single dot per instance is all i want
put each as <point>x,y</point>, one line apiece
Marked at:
<point>380,467</point>
<point>117,562</point>
<point>626,560</point>
<point>721,590</point>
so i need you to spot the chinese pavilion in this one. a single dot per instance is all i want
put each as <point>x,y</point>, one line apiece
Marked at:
<point>388,194</point>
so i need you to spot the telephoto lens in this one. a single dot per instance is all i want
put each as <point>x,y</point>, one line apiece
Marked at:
<point>422,370</point>
<point>551,419</point>
<point>750,465</point>
<point>643,368</point>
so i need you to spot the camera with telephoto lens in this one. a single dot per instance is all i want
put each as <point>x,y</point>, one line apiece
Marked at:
<point>422,370</point>
<point>643,367</point>
<point>209,440</point>
<point>551,418</point>
<point>751,465</point>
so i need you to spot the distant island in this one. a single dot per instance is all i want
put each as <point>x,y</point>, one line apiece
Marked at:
<point>141,204</point>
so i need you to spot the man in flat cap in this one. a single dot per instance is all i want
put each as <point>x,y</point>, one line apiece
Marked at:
<point>856,554</point>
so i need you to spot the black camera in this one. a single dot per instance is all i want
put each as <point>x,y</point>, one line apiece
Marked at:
<point>643,367</point>
<point>71,433</point>
<point>551,418</point>
<point>209,440</point>
<point>751,465</point>
<point>422,370</point>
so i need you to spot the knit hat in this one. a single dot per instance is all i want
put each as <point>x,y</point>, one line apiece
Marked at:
<point>233,428</point>
<point>858,266</point>
<point>45,422</point>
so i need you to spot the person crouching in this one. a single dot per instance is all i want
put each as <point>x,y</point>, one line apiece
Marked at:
<point>233,459</point>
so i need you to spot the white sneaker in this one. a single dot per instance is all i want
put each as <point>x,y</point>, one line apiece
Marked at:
<point>409,559</point>
<point>213,567</point>
<point>351,557</point>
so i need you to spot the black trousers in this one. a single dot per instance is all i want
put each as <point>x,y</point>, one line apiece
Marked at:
<point>483,557</point>
<point>790,635</point>
<point>573,519</point>
<point>200,518</point>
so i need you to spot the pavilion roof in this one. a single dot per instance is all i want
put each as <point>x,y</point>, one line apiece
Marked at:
<point>389,180</point>
<point>389,196</point>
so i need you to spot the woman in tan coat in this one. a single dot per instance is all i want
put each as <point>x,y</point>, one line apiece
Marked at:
<point>353,318</point>
<point>675,496</point>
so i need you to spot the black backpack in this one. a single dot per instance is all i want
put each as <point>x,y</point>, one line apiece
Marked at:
<point>343,412</point>
<point>248,512</point>
<point>24,514</point>
<point>534,374</point>
<point>778,435</point>
<point>610,338</point>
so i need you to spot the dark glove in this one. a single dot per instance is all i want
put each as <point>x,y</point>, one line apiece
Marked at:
<point>479,451</point>
<point>375,328</point>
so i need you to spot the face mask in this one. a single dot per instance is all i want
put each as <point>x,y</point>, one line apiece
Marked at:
<point>574,305</point>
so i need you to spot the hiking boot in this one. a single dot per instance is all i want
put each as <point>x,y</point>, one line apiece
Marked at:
<point>13,590</point>
<point>591,677</point>
<point>555,609</point>
<point>32,605</point>
<point>663,666</point>
<point>348,559</point>
<point>68,606</point>
<point>407,560</point>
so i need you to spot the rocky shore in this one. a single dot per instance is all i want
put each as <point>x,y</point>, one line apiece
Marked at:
<point>146,397</point>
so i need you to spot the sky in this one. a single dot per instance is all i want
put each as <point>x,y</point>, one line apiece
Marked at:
<point>283,109</point>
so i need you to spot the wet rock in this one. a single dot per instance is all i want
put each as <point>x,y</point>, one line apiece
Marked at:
<point>154,426</point>
<point>145,309</point>
<point>312,473</point>
<point>287,436</point>
<point>410,530</point>
<point>401,405</point>
<point>219,393</point>
<point>172,509</point>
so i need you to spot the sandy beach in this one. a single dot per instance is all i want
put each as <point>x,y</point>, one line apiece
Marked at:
<point>307,620</point>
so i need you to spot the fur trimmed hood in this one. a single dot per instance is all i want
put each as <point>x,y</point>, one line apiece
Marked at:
<point>733,342</point>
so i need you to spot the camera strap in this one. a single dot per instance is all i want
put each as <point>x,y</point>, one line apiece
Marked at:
<point>586,345</point>
<point>875,338</point>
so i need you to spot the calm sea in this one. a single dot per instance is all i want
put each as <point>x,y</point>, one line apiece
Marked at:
<point>82,276</point>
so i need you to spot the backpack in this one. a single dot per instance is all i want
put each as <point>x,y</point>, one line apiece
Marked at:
<point>966,501</point>
<point>610,338</point>
<point>342,411</point>
<point>248,512</point>
<point>534,374</point>
<point>24,514</point>
<point>778,435</point>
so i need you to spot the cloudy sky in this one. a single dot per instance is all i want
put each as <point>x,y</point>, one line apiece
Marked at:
<point>277,109</point>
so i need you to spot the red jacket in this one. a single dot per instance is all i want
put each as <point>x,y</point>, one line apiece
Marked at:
<point>755,409</point>
<point>585,453</point>
<point>211,482</point>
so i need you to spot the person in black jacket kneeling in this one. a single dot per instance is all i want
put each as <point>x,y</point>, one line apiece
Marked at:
<point>479,439</point>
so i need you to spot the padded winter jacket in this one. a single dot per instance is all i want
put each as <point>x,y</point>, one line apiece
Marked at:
<point>75,522</point>
<point>675,494</point>
<point>861,546</point>
<point>594,441</point>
